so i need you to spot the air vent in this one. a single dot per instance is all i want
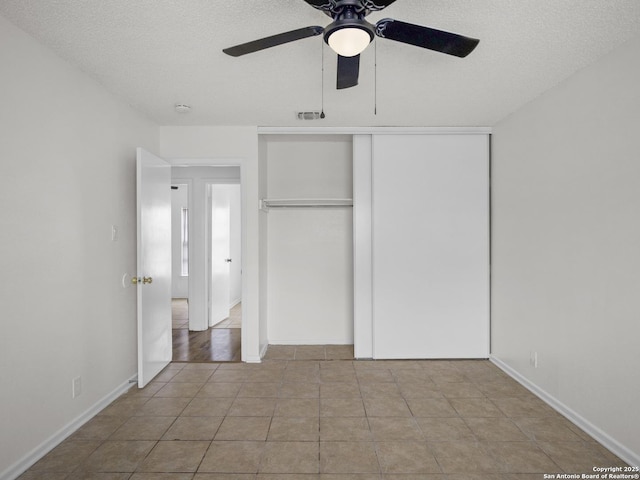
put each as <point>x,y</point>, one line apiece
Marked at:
<point>310,115</point>
<point>182,108</point>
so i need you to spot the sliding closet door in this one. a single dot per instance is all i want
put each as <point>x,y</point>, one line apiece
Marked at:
<point>430,203</point>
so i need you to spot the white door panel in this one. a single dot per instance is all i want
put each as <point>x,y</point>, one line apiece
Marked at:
<point>220,252</point>
<point>154,265</point>
<point>430,246</point>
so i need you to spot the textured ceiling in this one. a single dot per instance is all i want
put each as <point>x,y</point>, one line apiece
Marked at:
<point>156,53</point>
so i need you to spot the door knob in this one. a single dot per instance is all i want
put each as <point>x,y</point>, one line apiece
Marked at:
<point>228,260</point>
<point>146,280</point>
<point>136,280</point>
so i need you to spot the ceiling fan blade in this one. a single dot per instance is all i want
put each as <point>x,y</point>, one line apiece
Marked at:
<point>425,37</point>
<point>348,71</point>
<point>273,41</point>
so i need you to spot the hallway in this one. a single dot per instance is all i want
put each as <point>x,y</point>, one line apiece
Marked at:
<point>221,343</point>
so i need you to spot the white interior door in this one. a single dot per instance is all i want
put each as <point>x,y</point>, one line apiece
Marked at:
<point>154,265</point>
<point>220,253</point>
<point>430,197</point>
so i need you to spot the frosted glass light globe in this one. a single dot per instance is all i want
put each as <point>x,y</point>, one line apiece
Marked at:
<point>349,42</point>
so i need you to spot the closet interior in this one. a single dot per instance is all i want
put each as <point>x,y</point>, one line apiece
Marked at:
<point>306,199</point>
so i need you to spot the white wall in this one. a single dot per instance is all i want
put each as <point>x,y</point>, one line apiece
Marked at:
<point>310,250</point>
<point>230,146</point>
<point>179,200</point>
<point>566,246</point>
<point>67,163</point>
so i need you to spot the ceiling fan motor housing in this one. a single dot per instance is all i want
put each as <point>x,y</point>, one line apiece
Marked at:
<point>334,8</point>
<point>349,18</point>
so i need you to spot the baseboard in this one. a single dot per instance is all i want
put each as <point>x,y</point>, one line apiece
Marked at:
<point>214,324</point>
<point>598,434</point>
<point>22,465</point>
<point>263,351</point>
<point>234,303</point>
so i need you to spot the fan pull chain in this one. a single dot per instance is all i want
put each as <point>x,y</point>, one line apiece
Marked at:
<point>375,78</point>
<point>322,115</point>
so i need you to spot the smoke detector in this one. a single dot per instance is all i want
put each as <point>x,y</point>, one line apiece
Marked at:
<point>182,108</point>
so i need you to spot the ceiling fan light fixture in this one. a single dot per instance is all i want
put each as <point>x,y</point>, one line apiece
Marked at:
<point>349,38</point>
<point>349,41</point>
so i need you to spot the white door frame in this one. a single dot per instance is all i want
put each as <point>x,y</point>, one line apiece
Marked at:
<point>227,162</point>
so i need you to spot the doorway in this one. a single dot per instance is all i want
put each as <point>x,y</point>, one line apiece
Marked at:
<point>197,224</point>
<point>180,255</point>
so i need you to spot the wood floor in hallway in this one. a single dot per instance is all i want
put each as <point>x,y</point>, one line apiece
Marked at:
<point>212,345</point>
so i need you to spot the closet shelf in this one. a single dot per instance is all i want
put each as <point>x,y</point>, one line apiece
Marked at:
<point>267,203</point>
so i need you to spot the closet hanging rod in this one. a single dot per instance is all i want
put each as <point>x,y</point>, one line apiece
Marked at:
<point>267,203</point>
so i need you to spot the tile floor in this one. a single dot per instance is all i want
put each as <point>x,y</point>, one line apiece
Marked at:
<point>304,413</point>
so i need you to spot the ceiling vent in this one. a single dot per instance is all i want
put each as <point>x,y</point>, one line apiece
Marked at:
<point>182,108</point>
<point>310,115</point>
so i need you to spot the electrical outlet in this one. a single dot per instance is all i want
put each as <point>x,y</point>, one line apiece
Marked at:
<point>76,387</point>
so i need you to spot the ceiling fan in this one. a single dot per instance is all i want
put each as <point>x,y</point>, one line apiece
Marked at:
<point>349,34</point>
